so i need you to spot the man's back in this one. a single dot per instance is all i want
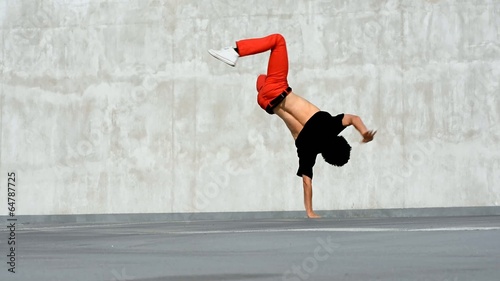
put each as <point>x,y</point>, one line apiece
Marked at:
<point>295,111</point>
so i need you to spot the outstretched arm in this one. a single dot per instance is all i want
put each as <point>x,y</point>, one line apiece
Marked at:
<point>307,182</point>
<point>354,120</point>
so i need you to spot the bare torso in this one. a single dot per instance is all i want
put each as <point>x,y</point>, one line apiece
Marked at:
<point>295,111</point>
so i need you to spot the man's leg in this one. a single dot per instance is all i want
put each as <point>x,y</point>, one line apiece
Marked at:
<point>277,68</point>
<point>275,82</point>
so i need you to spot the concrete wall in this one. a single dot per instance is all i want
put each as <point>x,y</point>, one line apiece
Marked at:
<point>116,107</point>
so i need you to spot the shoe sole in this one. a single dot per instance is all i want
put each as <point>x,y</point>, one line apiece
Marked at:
<point>223,59</point>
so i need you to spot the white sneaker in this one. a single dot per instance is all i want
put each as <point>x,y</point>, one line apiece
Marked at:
<point>227,55</point>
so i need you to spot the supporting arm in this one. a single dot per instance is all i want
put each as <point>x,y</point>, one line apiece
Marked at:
<point>307,182</point>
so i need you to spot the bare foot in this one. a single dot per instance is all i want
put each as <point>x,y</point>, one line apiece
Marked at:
<point>313,215</point>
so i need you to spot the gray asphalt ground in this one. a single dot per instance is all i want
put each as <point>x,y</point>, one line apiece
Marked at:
<point>447,248</point>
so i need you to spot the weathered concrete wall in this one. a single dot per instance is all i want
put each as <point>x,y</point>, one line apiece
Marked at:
<point>116,107</point>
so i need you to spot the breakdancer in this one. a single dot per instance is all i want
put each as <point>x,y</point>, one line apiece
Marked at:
<point>314,131</point>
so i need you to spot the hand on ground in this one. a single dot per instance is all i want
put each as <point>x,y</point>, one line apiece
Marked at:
<point>313,215</point>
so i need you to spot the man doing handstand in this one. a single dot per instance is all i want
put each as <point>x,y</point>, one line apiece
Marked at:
<point>314,131</point>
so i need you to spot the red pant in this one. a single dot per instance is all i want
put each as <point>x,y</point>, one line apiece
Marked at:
<point>275,82</point>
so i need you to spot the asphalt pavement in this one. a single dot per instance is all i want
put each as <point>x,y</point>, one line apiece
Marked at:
<point>436,248</point>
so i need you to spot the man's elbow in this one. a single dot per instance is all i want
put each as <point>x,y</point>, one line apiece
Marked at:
<point>350,119</point>
<point>355,119</point>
